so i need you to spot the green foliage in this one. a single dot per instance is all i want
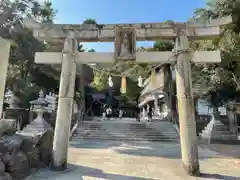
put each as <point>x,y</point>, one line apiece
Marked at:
<point>133,91</point>
<point>24,77</point>
<point>163,46</point>
<point>100,80</point>
<point>90,21</point>
<point>219,83</point>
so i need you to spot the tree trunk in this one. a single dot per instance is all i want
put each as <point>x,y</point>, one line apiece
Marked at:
<point>231,119</point>
<point>170,91</point>
<point>196,107</point>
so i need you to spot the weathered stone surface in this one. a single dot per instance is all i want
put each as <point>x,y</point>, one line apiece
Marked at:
<point>45,145</point>
<point>4,51</point>
<point>22,151</point>
<point>7,126</point>
<point>18,165</point>
<point>13,143</point>
<point>81,58</point>
<point>37,126</point>
<point>20,115</point>
<point>33,157</point>
<point>3,147</point>
<point>5,176</point>
<point>2,167</point>
<point>32,152</point>
<point>7,158</point>
<point>144,31</point>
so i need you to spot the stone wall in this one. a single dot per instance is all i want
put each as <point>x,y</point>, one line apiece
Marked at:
<point>20,152</point>
<point>20,115</point>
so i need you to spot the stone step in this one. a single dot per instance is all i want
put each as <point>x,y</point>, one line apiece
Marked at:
<point>125,139</point>
<point>123,130</point>
<point>126,131</point>
<point>221,129</point>
<point>120,130</point>
<point>125,135</point>
<point>103,127</point>
<point>215,130</point>
<point>120,134</point>
<point>122,127</point>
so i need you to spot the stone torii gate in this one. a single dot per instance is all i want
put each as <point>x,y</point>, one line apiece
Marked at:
<point>125,37</point>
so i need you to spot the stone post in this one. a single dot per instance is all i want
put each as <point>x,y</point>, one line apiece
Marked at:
<point>81,87</point>
<point>4,51</point>
<point>156,105</point>
<point>65,104</point>
<point>13,111</point>
<point>188,135</point>
<point>232,117</point>
<point>31,114</point>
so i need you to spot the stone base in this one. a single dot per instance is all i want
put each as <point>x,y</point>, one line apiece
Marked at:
<point>37,126</point>
<point>58,168</point>
<point>192,170</point>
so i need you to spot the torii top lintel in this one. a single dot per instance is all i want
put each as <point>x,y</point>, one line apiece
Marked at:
<point>143,31</point>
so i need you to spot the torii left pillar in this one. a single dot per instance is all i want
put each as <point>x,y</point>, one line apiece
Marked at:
<point>65,104</point>
<point>188,135</point>
<point>4,51</point>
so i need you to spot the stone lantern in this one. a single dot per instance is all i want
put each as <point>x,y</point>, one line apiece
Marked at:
<point>38,125</point>
<point>12,110</point>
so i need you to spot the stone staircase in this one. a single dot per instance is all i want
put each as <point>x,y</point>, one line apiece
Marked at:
<point>126,131</point>
<point>216,131</point>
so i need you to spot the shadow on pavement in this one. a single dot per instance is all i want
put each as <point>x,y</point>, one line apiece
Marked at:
<point>76,172</point>
<point>218,176</point>
<point>148,149</point>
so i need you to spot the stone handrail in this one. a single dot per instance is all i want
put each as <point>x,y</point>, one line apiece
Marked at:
<point>79,120</point>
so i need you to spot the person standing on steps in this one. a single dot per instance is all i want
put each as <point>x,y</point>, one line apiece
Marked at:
<point>150,113</point>
<point>104,114</point>
<point>109,110</point>
<point>120,114</point>
<point>138,110</point>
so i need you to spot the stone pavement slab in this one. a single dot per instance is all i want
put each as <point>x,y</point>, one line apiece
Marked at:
<point>108,160</point>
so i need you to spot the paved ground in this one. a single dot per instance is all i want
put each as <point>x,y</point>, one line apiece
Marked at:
<point>225,150</point>
<point>137,161</point>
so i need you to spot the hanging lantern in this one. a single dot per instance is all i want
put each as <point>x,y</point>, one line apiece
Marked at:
<point>110,82</point>
<point>124,85</point>
<point>140,81</point>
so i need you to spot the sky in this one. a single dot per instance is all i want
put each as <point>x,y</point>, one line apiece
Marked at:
<point>123,11</point>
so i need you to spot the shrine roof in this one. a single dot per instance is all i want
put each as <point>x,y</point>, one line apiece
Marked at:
<point>154,88</point>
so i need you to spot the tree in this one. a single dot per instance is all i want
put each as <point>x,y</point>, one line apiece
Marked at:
<point>219,83</point>
<point>90,21</point>
<point>24,75</point>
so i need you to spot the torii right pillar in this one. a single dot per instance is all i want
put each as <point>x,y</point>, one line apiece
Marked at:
<point>188,135</point>
<point>4,51</point>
